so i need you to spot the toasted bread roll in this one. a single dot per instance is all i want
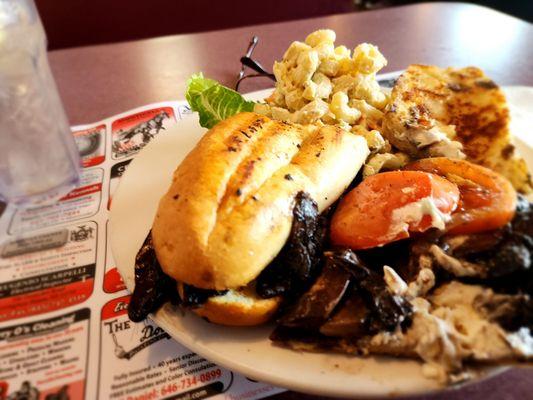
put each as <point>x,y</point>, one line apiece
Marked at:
<point>228,211</point>
<point>238,308</point>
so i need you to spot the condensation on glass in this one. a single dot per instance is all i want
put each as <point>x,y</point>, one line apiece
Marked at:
<point>39,160</point>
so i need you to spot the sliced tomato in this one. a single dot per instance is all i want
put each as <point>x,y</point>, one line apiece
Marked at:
<point>488,200</point>
<point>389,206</point>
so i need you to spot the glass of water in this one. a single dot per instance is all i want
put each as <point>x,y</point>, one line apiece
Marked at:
<point>39,160</point>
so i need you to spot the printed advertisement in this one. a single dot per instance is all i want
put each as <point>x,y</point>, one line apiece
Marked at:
<point>47,270</point>
<point>149,364</point>
<point>82,202</point>
<point>45,359</point>
<point>132,133</point>
<point>91,145</point>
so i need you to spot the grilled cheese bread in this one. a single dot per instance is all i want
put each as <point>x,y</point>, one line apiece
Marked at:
<point>454,112</point>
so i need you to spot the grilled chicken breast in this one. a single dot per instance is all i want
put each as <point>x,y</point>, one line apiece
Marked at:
<point>455,113</point>
<point>228,211</point>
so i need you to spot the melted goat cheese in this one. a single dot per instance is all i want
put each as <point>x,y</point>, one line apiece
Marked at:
<point>412,214</point>
<point>522,342</point>
<point>448,328</point>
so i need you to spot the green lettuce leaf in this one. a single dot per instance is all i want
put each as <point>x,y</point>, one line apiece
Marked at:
<point>214,102</point>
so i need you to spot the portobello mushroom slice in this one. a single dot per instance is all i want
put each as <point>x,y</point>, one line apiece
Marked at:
<point>350,320</point>
<point>388,311</point>
<point>296,265</point>
<point>152,286</point>
<point>315,306</point>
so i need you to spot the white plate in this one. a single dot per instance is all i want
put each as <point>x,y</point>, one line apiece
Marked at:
<point>244,350</point>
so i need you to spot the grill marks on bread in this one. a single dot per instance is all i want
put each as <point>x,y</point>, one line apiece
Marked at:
<point>234,209</point>
<point>275,145</point>
<point>282,150</point>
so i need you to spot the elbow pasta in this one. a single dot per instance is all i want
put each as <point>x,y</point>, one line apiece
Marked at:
<point>318,83</point>
<point>384,162</point>
<point>342,111</point>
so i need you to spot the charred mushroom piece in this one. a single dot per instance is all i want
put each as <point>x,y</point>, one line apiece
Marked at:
<point>523,221</point>
<point>457,267</point>
<point>511,312</point>
<point>467,245</point>
<point>152,286</point>
<point>514,253</point>
<point>350,320</point>
<point>489,255</point>
<point>296,264</point>
<point>316,305</point>
<point>193,296</point>
<point>396,254</point>
<point>511,257</point>
<point>388,311</point>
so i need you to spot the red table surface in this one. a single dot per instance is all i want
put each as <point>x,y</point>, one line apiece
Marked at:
<point>98,81</point>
